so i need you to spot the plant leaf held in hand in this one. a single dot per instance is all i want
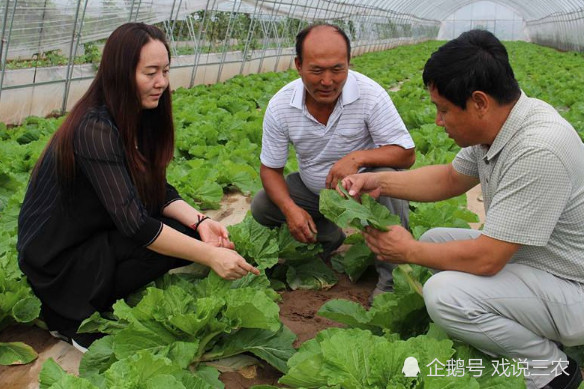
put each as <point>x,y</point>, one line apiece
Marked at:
<point>347,212</point>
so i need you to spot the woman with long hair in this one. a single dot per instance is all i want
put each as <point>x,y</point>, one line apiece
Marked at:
<point>99,219</point>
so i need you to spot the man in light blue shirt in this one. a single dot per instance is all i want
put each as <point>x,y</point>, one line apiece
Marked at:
<point>516,288</point>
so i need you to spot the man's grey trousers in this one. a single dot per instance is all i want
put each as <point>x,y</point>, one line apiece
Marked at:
<point>521,312</point>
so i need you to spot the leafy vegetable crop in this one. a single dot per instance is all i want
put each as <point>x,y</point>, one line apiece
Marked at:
<point>355,358</point>
<point>290,262</point>
<point>183,323</point>
<point>218,140</point>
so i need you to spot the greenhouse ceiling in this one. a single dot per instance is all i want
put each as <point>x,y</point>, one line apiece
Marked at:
<point>34,26</point>
<point>530,10</point>
<point>437,10</point>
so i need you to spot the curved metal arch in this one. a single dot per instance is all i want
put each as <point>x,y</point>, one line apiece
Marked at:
<point>447,7</point>
<point>440,10</point>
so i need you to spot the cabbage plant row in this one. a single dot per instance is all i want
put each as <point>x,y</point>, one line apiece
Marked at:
<point>183,329</point>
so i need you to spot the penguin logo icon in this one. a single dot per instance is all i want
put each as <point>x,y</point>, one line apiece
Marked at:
<point>411,368</point>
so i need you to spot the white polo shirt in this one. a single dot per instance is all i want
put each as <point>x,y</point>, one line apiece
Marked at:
<point>363,118</point>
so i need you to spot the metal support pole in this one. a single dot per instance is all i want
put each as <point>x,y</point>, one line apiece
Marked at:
<point>5,42</point>
<point>246,56</point>
<point>134,15</point>
<point>131,12</point>
<point>278,35</point>
<point>42,27</point>
<point>196,50</point>
<point>75,38</point>
<point>226,43</point>
<point>173,16</point>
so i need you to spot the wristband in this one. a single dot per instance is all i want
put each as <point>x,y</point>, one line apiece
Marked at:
<point>200,219</point>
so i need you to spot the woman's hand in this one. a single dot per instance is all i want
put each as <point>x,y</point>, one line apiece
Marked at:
<point>214,233</point>
<point>225,262</point>
<point>229,265</point>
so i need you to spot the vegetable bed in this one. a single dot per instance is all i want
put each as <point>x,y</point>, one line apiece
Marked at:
<point>183,330</point>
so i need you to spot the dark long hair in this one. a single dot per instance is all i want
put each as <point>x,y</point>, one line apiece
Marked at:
<point>115,88</point>
<point>475,61</point>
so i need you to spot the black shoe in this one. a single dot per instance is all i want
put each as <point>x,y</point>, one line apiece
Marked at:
<point>80,341</point>
<point>377,291</point>
<point>570,379</point>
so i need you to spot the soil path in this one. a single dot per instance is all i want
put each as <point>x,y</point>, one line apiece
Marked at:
<point>297,311</point>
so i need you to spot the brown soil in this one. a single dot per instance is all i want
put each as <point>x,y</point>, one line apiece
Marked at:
<point>297,311</point>
<point>26,376</point>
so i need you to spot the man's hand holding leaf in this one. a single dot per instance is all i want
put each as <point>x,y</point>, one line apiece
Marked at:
<point>390,246</point>
<point>301,225</point>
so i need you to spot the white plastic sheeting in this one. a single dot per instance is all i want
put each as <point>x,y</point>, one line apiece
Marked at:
<point>30,27</point>
<point>235,32</point>
<point>34,26</point>
<point>504,22</point>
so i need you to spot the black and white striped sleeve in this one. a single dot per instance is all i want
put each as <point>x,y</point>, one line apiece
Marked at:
<point>99,155</point>
<point>171,195</point>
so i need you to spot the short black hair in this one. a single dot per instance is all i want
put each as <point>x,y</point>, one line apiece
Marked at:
<point>301,37</point>
<point>475,61</point>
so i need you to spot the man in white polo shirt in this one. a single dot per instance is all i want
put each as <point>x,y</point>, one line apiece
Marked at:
<point>340,122</point>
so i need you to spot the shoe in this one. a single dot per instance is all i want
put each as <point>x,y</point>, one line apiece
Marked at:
<point>80,341</point>
<point>570,379</point>
<point>377,291</point>
<point>331,247</point>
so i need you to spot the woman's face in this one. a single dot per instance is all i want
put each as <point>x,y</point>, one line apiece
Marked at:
<point>152,73</point>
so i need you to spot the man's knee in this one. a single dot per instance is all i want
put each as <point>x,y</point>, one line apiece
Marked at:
<point>397,207</point>
<point>440,293</point>
<point>447,234</point>
<point>263,210</point>
<point>434,235</point>
<point>258,204</point>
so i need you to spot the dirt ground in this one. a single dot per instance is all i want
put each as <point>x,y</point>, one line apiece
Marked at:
<point>297,311</point>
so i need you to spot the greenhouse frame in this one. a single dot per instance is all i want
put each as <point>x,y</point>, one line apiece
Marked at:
<point>49,48</point>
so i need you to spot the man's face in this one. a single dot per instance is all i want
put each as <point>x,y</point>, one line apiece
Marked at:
<point>324,66</point>
<point>460,124</point>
